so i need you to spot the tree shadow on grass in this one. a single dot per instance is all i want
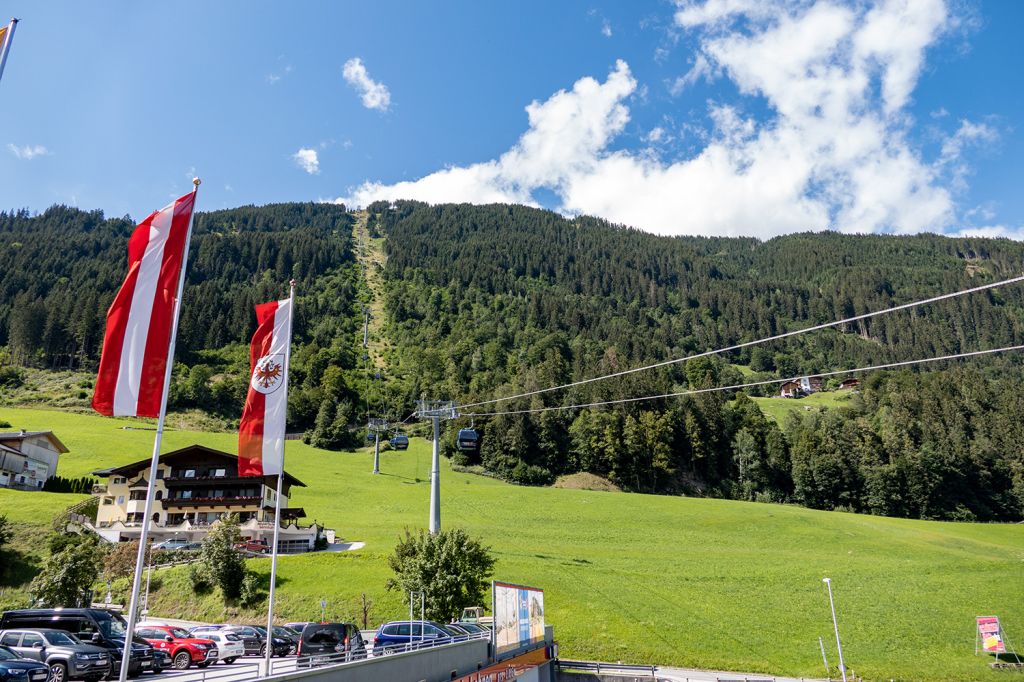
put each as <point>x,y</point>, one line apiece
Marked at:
<point>18,568</point>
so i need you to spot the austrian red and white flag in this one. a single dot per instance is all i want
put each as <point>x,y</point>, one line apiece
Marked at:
<point>261,431</point>
<point>137,339</point>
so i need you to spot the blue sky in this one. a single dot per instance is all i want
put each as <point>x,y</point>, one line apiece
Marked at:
<point>718,117</point>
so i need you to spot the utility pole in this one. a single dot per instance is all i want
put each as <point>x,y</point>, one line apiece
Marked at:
<point>366,326</point>
<point>435,410</point>
<point>835,623</point>
<point>377,425</point>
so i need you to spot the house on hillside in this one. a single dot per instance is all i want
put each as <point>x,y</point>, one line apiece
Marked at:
<point>811,385</point>
<point>28,458</point>
<point>848,384</point>
<point>195,487</point>
<point>791,389</point>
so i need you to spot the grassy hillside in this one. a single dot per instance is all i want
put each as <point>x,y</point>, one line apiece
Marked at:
<point>695,582</point>
<point>777,408</point>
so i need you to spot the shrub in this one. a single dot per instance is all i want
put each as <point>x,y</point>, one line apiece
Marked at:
<point>199,579</point>
<point>251,592</point>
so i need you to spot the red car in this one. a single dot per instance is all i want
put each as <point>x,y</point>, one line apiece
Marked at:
<point>183,648</point>
<point>255,546</point>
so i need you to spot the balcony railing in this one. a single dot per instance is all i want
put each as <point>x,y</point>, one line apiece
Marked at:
<point>170,502</point>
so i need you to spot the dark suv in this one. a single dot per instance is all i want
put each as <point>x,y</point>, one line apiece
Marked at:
<point>100,627</point>
<point>325,643</point>
<point>67,657</point>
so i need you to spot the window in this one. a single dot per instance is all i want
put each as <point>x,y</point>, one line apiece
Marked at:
<point>402,630</point>
<point>31,639</point>
<point>186,494</point>
<point>108,500</point>
<point>220,472</point>
<point>159,474</point>
<point>120,499</point>
<point>137,495</point>
<point>118,480</point>
<point>190,473</point>
<point>10,639</point>
<point>159,494</point>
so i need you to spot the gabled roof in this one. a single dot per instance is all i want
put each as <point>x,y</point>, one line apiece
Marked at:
<point>22,435</point>
<point>186,453</point>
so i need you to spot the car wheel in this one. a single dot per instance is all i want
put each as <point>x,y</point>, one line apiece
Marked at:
<point>229,661</point>
<point>388,651</point>
<point>58,673</point>
<point>204,664</point>
<point>263,651</point>
<point>182,660</point>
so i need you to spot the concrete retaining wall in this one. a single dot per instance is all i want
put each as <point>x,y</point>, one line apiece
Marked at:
<point>438,664</point>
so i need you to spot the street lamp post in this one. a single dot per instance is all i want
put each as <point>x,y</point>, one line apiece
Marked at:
<point>835,624</point>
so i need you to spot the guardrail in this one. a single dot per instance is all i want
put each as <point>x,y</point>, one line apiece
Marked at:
<point>650,671</point>
<point>242,672</point>
<point>613,668</point>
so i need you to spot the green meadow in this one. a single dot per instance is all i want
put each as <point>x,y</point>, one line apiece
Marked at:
<point>638,578</point>
<point>777,408</point>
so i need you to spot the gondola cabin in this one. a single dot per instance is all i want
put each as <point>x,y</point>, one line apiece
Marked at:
<point>371,437</point>
<point>468,440</point>
<point>400,442</point>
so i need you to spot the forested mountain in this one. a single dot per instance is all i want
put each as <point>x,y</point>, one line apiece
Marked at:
<point>59,272</point>
<point>491,301</point>
<point>484,302</point>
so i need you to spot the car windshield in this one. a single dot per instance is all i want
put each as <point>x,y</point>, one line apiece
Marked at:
<point>61,638</point>
<point>6,654</point>
<point>111,628</point>
<point>179,633</point>
<point>284,632</point>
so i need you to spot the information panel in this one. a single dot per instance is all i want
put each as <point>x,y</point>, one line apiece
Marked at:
<point>518,616</point>
<point>990,634</point>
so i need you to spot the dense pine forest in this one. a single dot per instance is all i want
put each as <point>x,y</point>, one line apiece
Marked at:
<point>483,302</point>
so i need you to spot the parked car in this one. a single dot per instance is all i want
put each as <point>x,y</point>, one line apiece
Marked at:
<point>253,640</point>
<point>254,546</point>
<point>396,635</point>
<point>65,656</point>
<point>161,661</point>
<point>229,645</point>
<point>181,646</point>
<point>325,643</point>
<point>100,627</point>
<point>14,668</point>
<point>296,626</point>
<point>285,633</point>
<point>173,543</point>
<point>473,628</point>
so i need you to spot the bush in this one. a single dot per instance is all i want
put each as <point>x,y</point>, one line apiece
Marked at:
<point>11,377</point>
<point>251,592</point>
<point>4,425</point>
<point>199,579</point>
<point>320,543</point>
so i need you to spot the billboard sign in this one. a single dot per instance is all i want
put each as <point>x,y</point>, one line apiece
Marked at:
<point>518,616</point>
<point>991,635</point>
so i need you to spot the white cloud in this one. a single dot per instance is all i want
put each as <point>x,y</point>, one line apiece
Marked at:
<point>833,152</point>
<point>28,151</point>
<point>374,95</point>
<point>992,232</point>
<point>606,28</point>
<point>306,159</point>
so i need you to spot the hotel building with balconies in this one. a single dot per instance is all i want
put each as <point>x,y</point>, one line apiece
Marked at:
<point>195,487</point>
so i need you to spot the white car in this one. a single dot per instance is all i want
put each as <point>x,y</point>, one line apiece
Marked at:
<point>173,543</point>
<point>229,644</point>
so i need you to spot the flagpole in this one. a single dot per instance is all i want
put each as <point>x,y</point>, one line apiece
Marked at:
<point>277,502</point>
<point>155,460</point>
<point>7,44</point>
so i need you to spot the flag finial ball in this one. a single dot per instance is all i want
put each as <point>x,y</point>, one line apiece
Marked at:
<point>196,181</point>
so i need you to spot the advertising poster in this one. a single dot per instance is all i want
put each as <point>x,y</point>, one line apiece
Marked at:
<point>991,635</point>
<point>518,616</point>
